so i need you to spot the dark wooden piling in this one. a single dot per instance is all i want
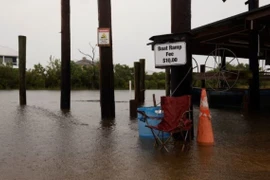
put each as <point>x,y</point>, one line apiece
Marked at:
<point>181,76</point>
<point>137,81</point>
<point>22,69</point>
<point>181,23</point>
<point>134,103</point>
<point>65,55</point>
<point>107,101</point>
<point>133,108</point>
<point>202,68</point>
<point>142,80</point>
<point>168,81</point>
<point>254,83</point>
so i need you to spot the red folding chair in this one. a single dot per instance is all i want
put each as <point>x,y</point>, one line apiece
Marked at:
<point>176,119</point>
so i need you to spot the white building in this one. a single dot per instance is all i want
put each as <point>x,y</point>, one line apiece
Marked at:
<point>8,56</point>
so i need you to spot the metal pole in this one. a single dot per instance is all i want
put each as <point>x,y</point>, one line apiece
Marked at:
<point>106,64</point>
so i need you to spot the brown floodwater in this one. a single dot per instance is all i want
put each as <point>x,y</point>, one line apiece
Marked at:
<point>39,141</point>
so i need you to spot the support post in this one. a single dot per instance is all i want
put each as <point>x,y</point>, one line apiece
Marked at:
<point>137,82</point>
<point>181,23</point>
<point>65,55</point>
<point>202,68</point>
<point>106,64</point>
<point>254,84</point>
<point>22,67</point>
<point>168,81</point>
<point>142,80</point>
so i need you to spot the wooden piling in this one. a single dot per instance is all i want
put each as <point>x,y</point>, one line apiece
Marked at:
<point>202,68</point>
<point>142,80</point>
<point>22,69</point>
<point>106,64</point>
<point>181,76</point>
<point>137,81</point>
<point>254,83</point>
<point>181,23</point>
<point>133,108</point>
<point>65,55</point>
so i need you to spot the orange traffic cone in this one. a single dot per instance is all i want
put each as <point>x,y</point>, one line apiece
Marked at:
<point>205,132</point>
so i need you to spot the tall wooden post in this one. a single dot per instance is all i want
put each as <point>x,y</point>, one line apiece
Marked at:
<point>142,80</point>
<point>65,55</point>
<point>106,64</point>
<point>254,84</point>
<point>22,67</point>
<point>181,76</point>
<point>180,23</point>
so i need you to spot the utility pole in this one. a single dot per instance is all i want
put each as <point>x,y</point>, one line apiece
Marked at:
<point>254,83</point>
<point>106,63</point>
<point>65,54</point>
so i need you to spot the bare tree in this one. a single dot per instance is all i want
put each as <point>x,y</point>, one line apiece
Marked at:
<point>93,51</point>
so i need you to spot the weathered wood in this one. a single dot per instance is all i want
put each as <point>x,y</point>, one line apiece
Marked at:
<point>137,81</point>
<point>181,76</point>
<point>106,64</point>
<point>65,55</point>
<point>22,69</point>
<point>254,83</point>
<point>142,80</point>
<point>154,100</point>
<point>133,108</point>
<point>181,23</point>
<point>168,81</point>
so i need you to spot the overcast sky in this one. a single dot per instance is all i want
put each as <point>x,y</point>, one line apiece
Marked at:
<point>133,23</point>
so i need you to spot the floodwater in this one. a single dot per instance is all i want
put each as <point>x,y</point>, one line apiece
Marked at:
<point>39,141</point>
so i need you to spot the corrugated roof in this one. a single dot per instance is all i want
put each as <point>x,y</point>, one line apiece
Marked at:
<point>6,51</point>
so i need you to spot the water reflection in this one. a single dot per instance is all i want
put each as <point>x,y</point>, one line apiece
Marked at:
<point>40,141</point>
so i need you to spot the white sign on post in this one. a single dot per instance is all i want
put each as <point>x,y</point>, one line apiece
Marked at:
<point>104,36</point>
<point>170,54</point>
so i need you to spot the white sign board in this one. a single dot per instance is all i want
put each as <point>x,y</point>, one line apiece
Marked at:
<point>104,36</point>
<point>170,54</point>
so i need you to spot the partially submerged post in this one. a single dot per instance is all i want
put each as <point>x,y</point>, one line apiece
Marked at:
<point>106,60</point>
<point>137,83</point>
<point>22,67</point>
<point>65,55</point>
<point>142,80</point>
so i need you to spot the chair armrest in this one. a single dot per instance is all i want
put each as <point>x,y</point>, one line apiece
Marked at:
<point>145,117</point>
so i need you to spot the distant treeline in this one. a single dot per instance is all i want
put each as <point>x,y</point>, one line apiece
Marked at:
<point>82,77</point>
<point>87,77</point>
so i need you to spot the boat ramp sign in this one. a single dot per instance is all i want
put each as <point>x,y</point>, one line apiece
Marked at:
<point>170,54</point>
<point>104,37</point>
